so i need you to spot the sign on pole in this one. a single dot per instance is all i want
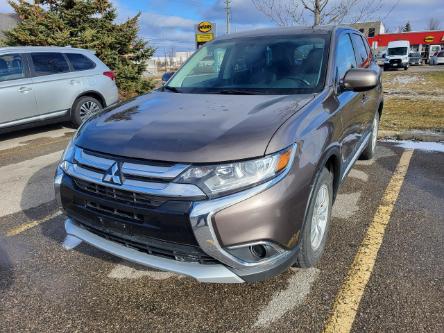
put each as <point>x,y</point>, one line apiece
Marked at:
<point>205,32</point>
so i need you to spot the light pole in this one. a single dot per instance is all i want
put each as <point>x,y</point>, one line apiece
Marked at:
<point>228,14</point>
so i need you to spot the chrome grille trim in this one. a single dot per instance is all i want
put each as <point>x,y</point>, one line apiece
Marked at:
<point>166,172</point>
<point>153,171</point>
<point>92,161</point>
<point>93,168</point>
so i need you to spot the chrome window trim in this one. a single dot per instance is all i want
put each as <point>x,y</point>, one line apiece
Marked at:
<point>202,224</point>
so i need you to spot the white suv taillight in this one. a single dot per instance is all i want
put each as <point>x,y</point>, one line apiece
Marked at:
<point>110,74</point>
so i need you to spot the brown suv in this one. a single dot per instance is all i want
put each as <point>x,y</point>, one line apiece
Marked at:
<point>227,173</point>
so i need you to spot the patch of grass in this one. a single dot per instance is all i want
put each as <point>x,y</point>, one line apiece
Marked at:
<point>410,114</point>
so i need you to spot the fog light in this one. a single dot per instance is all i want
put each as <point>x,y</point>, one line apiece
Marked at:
<point>259,251</point>
<point>256,252</point>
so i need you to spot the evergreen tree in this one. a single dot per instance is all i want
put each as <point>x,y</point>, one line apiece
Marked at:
<point>88,24</point>
<point>407,27</point>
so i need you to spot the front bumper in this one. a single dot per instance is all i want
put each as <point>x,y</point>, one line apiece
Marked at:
<point>202,273</point>
<point>271,214</point>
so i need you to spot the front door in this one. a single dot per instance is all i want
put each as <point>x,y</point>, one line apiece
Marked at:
<point>349,101</point>
<point>17,97</point>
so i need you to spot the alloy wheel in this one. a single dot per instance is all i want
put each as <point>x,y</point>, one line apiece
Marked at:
<point>87,109</point>
<point>320,217</point>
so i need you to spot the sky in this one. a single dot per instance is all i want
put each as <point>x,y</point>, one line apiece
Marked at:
<point>168,24</point>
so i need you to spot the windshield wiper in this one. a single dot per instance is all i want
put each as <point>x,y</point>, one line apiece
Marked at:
<point>238,92</point>
<point>173,89</point>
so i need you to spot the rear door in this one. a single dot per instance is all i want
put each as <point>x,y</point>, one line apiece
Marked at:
<point>16,91</point>
<point>55,83</point>
<point>369,99</point>
<point>349,101</point>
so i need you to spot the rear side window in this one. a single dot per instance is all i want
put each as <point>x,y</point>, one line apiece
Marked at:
<point>47,63</point>
<point>80,62</point>
<point>11,67</point>
<point>361,51</point>
<point>441,54</point>
<point>345,56</point>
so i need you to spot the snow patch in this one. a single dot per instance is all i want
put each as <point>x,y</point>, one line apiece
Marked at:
<point>419,145</point>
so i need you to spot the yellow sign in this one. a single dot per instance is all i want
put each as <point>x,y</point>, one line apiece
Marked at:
<point>203,38</point>
<point>429,39</point>
<point>205,27</point>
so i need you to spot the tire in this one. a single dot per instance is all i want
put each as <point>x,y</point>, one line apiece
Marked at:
<point>311,246</point>
<point>84,107</point>
<point>406,67</point>
<point>369,151</point>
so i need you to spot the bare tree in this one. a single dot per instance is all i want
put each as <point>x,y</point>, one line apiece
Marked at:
<point>433,24</point>
<point>292,12</point>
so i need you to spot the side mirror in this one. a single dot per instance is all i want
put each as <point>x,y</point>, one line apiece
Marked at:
<point>359,79</point>
<point>166,76</point>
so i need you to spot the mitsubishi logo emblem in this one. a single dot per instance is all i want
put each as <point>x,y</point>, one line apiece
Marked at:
<point>113,175</point>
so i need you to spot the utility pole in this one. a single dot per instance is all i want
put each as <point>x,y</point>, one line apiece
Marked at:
<point>228,14</point>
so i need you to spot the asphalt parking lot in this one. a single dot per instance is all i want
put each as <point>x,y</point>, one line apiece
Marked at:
<point>383,269</point>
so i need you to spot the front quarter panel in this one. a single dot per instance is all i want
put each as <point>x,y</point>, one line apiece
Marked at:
<point>278,214</point>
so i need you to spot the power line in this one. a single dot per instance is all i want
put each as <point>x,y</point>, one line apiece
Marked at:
<point>228,14</point>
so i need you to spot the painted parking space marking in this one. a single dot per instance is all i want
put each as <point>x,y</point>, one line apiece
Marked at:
<point>347,301</point>
<point>346,205</point>
<point>299,285</point>
<point>26,226</point>
<point>121,272</point>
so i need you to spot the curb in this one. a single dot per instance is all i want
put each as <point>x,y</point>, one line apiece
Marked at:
<point>412,135</point>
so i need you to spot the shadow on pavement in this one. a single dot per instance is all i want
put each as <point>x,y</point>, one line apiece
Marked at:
<point>6,268</point>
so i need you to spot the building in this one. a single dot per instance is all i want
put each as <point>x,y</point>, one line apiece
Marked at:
<point>370,29</point>
<point>7,22</point>
<point>156,65</point>
<point>420,41</point>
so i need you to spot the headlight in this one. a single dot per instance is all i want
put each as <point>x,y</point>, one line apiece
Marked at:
<point>223,179</point>
<point>67,156</point>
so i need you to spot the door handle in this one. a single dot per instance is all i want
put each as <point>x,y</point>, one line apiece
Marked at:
<point>24,90</point>
<point>74,82</point>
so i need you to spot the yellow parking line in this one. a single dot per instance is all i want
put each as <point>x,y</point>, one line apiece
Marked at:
<point>21,228</point>
<point>347,301</point>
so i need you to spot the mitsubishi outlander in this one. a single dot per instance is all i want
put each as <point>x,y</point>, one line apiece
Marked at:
<point>227,173</point>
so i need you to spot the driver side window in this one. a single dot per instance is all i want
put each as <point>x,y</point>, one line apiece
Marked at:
<point>345,56</point>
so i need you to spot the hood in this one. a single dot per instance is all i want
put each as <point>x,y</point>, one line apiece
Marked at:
<point>191,128</point>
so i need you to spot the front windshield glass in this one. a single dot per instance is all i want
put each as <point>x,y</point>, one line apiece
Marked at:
<point>265,65</point>
<point>397,51</point>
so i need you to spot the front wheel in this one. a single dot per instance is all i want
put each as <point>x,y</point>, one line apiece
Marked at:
<point>316,222</point>
<point>83,108</point>
<point>369,151</point>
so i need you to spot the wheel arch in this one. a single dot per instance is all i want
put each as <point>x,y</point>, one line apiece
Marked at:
<point>93,94</point>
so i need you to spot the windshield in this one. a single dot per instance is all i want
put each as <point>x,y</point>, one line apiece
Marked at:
<point>394,51</point>
<point>265,65</point>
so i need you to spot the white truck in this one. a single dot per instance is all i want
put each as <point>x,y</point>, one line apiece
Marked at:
<point>397,55</point>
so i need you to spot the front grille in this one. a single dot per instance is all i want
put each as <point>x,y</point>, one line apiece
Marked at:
<point>107,210</point>
<point>126,197</point>
<point>395,61</point>
<point>158,248</point>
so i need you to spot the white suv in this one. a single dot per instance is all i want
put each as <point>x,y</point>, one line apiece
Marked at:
<point>52,84</point>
